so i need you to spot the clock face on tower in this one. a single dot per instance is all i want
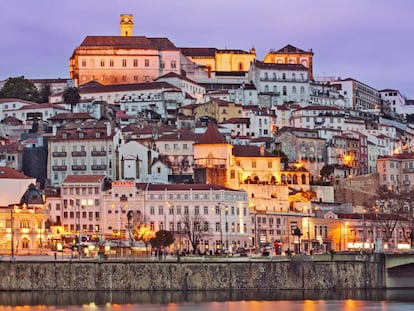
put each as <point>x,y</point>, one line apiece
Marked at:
<point>126,19</point>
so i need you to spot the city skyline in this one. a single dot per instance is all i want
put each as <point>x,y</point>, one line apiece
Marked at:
<point>349,39</point>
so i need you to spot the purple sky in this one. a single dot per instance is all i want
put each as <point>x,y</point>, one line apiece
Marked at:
<point>370,41</point>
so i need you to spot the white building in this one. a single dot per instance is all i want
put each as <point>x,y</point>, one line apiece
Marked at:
<point>83,148</point>
<point>279,83</point>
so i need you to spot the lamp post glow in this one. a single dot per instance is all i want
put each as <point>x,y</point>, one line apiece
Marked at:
<point>12,231</point>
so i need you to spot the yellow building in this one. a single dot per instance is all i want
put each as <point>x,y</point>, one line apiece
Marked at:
<point>291,55</point>
<point>123,59</point>
<point>216,60</point>
<point>25,225</point>
<point>276,192</point>
<point>219,110</point>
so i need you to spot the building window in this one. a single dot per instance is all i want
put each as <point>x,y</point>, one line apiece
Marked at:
<point>146,62</point>
<point>84,63</point>
<point>173,64</point>
<point>162,65</point>
<point>124,63</point>
<point>102,63</point>
<point>111,63</point>
<point>135,62</point>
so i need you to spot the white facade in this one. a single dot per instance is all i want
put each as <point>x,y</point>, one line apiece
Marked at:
<point>86,151</point>
<point>138,163</point>
<point>394,102</point>
<point>279,83</point>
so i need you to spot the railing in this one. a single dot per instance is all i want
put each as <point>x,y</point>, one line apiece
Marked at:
<point>78,153</point>
<point>98,153</point>
<point>59,154</point>
<point>99,167</point>
<point>59,167</point>
<point>78,167</point>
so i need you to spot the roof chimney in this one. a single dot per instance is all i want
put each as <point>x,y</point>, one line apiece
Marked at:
<point>262,150</point>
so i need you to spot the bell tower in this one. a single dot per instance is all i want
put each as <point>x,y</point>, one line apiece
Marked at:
<point>126,25</point>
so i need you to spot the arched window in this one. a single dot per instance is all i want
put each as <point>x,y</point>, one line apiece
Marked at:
<point>256,180</point>
<point>273,180</point>
<point>266,89</point>
<point>25,243</point>
<point>289,179</point>
<point>274,88</point>
<point>302,90</point>
<point>294,90</point>
<point>25,224</point>
<point>248,180</point>
<point>284,92</point>
<point>295,179</point>
<point>303,179</point>
<point>294,76</point>
<point>283,178</point>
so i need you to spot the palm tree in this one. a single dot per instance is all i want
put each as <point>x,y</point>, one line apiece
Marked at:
<point>71,97</point>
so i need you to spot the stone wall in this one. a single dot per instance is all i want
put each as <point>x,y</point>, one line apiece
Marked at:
<point>150,275</point>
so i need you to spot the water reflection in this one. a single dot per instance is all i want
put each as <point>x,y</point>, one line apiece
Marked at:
<point>60,298</point>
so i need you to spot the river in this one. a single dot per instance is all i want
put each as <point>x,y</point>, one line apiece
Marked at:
<point>284,300</point>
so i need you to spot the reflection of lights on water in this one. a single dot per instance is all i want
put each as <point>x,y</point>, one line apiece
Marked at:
<point>91,305</point>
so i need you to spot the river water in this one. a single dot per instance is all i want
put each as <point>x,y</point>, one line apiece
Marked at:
<point>281,300</point>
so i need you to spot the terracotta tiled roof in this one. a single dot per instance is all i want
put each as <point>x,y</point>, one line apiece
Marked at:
<point>291,49</point>
<point>201,52</point>
<point>296,67</point>
<point>175,75</point>
<point>42,106</point>
<point>84,179</point>
<point>96,88</point>
<point>212,136</point>
<point>128,42</point>
<point>72,116</point>
<point>10,173</point>
<point>250,151</point>
<point>10,148</point>
<point>11,120</point>
<point>237,121</point>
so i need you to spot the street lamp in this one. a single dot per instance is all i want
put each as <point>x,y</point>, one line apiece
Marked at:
<point>171,210</point>
<point>219,209</point>
<point>12,231</point>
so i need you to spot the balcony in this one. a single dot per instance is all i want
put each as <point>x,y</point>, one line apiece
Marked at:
<point>59,168</point>
<point>78,167</point>
<point>408,170</point>
<point>99,167</point>
<point>78,153</point>
<point>98,153</point>
<point>58,154</point>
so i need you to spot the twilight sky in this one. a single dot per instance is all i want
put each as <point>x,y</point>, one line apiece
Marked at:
<point>369,40</point>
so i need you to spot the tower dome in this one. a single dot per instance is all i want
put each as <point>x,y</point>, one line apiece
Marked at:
<point>32,196</point>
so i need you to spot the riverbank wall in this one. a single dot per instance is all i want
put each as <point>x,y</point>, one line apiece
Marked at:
<point>193,274</point>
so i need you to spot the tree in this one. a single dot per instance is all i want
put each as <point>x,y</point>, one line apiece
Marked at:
<point>44,94</point>
<point>137,228</point>
<point>20,88</point>
<point>195,228</point>
<point>392,209</point>
<point>162,239</point>
<point>328,170</point>
<point>71,97</point>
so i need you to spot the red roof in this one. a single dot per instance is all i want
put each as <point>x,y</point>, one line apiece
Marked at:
<point>8,172</point>
<point>84,179</point>
<point>212,136</point>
